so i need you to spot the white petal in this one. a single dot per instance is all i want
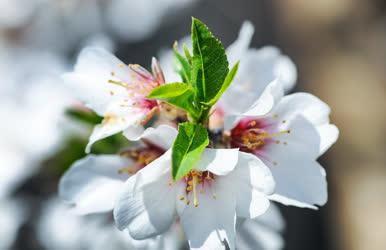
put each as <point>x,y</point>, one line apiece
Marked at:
<point>293,106</point>
<point>261,233</point>
<point>12,215</point>
<point>128,122</point>
<point>303,140</point>
<point>89,81</point>
<point>212,223</point>
<point>286,70</point>
<point>307,105</point>
<point>268,99</point>
<point>328,135</point>
<point>272,218</point>
<point>257,69</point>
<point>253,182</point>
<point>163,136</point>
<point>146,206</point>
<point>299,182</point>
<point>218,161</point>
<point>264,104</point>
<point>240,46</point>
<point>93,183</point>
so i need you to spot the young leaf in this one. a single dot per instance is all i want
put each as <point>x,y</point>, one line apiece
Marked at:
<point>187,53</point>
<point>177,94</point>
<point>227,82</point>
<point>191,141</point>
<point>185,102</point>
<point>169,90</point>
<point>183,67</point>
<point>210,64</point>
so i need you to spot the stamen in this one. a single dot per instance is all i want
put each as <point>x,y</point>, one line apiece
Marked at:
<point>195,201</point>
<point>119,83</point>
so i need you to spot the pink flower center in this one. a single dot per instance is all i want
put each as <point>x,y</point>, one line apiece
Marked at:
<point>141,84</point>
<point>251,135</point>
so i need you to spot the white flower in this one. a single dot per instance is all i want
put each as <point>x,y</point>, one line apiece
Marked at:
<point>115,91</point>
<point>238,183</point>
<point>288,134</point>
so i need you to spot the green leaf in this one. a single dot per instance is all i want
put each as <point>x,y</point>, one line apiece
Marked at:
<point>210,64</point>
<point>227,82</point>
<point>169,90</point>
<point>186,102</point>
<point>183,66</point>
<point>177,94</point>
<point>191,141</point>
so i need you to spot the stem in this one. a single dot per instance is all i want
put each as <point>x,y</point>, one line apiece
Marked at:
<point>203,118</point>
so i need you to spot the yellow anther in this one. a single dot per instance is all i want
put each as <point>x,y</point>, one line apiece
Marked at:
<point>182,198</point>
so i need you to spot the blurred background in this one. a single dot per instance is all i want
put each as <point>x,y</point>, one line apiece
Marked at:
<point>339,48</point>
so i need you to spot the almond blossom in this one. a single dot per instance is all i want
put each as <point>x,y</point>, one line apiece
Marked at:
<point>115,91</point>
<point>288,133</point>
<point>237,182</point>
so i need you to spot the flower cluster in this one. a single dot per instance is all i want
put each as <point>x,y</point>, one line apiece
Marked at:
<point>210,151</point>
